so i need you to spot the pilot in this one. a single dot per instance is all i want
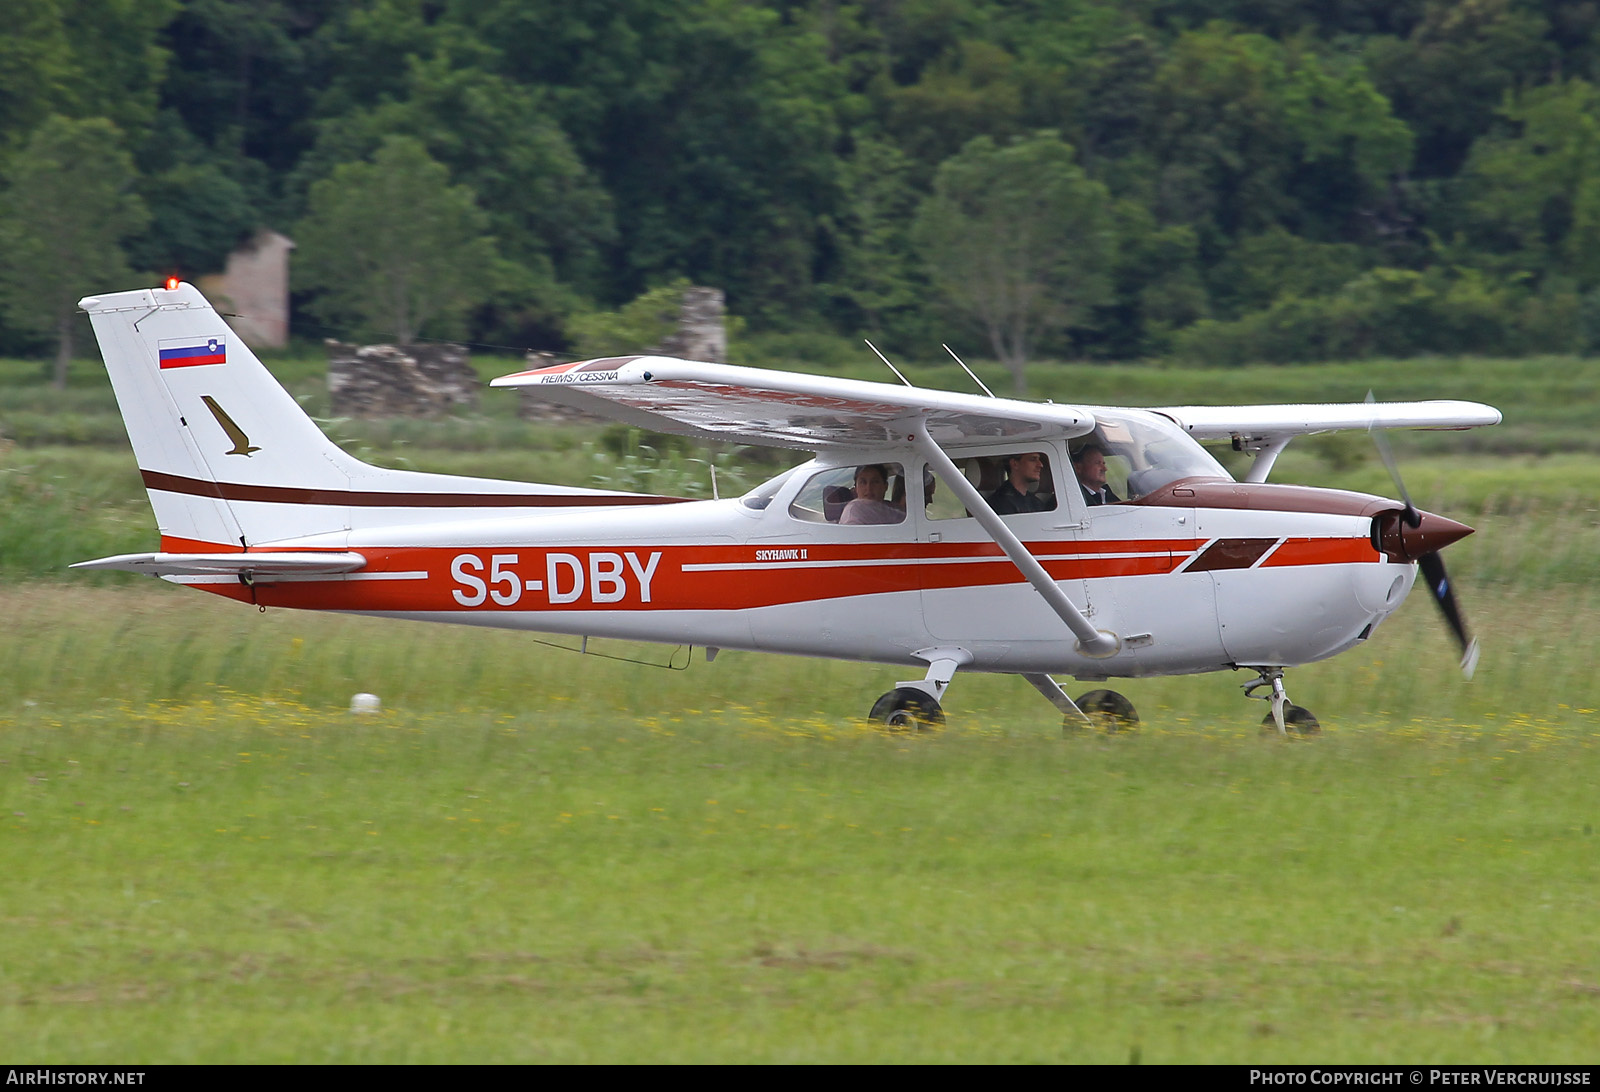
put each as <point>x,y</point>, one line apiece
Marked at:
<point>1018,493</point>
<point>869,507</point>
<point>1089,461</point>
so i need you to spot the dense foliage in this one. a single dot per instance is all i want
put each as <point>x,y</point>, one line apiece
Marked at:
<point>1235,180</point>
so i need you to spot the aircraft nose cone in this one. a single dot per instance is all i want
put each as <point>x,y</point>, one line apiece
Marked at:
<point>1431,534</point>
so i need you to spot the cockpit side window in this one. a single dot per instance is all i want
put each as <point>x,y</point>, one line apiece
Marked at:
<point>872,494</point>
<point>1012,482</point>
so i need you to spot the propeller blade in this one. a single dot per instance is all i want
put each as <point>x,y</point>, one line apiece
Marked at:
<point>1439,586</point>
<point>1430,563</point>
<point>1381,438</point>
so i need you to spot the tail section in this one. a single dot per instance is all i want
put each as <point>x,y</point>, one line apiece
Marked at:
<point>202,411</point>
<point>231,461</point>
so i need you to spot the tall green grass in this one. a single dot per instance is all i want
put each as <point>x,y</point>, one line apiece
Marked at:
<point>82,645</point>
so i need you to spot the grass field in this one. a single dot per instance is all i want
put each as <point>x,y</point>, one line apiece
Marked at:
<point>532,856</point>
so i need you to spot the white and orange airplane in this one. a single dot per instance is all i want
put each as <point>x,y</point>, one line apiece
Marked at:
<point>945,531</point>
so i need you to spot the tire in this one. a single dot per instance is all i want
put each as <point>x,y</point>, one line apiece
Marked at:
<point>906,709</point>
<point>1297,721</point>
<point>1109,711</point>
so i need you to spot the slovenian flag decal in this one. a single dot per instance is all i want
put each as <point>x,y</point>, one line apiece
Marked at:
<point>187,352</point>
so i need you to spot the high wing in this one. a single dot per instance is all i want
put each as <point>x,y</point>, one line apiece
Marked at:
<point>1265,431</point>
<point>1265,423</point>
<point>783,409</point>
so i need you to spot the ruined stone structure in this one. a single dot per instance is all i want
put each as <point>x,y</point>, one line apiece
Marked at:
<point>254,290</point>
<point>701,333</point>
<point>431,379</point>
<point>399,381</point>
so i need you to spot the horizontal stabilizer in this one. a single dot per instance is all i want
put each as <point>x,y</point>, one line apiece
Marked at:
<point>262,567</point>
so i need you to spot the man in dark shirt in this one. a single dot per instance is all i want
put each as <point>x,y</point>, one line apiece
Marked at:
<point>1089,461</point>
<point>1022,478</point>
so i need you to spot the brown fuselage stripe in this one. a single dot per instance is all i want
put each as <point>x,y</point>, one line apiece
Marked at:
<point>279,494</point>
<point>1231,553</point>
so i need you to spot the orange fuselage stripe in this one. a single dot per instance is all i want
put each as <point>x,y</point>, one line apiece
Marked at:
<point>705,577</point>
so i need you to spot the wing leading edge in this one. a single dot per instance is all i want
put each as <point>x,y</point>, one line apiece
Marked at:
<point>1280,422</point>
<point>784,409</point>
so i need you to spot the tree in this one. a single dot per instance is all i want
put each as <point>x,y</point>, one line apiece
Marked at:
<point>81,58</point>
<point>242,76</point>
<point>713,126</point>
<point>495,136</point>
<point>1250,133</point>
<point>67,208</point>
<point>879,276</point>
<point>1451,68</point>
<point>1018,238</point>
<point>641,326</point>
<point>391,244</point>
<point>1533,191</point>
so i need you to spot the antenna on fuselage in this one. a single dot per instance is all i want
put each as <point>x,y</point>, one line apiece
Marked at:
<point>968,370</point>
<point>892,368</point>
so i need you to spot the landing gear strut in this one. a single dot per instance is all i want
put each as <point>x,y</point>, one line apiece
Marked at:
<point>914,706</point>
<point>1285,716</point>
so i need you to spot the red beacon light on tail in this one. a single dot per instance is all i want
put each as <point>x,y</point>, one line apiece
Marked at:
<point>172,284</point>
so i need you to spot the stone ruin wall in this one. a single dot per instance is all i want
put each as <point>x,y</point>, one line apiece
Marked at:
<point>701,334</point>
<point>400,381</point>
<point>432,379</point>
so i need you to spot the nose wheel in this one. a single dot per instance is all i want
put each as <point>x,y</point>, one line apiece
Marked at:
<point>1285,716</point>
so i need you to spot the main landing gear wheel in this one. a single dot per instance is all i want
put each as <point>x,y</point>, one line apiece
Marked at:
<point>1107,710</point>
<point>907,709</point>
<point>1297,721</point>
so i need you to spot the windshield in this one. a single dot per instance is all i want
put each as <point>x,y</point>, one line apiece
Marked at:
<point>761,496</point>
<point>1145,451</point>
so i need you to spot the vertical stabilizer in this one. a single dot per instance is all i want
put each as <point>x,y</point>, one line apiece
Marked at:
<point>209,423</point>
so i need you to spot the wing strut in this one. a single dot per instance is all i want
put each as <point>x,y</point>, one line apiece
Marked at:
<point>1094,643</point>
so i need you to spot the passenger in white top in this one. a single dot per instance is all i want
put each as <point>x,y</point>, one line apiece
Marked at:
<point>869,507</point>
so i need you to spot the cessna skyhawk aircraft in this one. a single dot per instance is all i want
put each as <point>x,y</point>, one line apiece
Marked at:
<point>946,531</point>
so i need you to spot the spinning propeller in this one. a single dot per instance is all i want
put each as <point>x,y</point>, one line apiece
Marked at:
<point>1414,535</point>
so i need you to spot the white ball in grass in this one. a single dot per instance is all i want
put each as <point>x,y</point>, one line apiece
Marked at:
<point>365,703</point>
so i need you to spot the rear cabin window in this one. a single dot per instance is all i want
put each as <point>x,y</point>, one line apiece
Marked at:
<point>872,494</point>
